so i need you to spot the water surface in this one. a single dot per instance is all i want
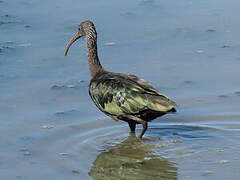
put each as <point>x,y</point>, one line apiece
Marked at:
<point>188,49</point>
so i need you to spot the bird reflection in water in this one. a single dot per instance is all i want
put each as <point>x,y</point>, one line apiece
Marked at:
<point>132,160</point>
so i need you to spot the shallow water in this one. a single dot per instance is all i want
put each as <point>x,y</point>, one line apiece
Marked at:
<point>188,49</point>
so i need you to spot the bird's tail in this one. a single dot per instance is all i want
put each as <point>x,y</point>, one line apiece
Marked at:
<point>161,103</point>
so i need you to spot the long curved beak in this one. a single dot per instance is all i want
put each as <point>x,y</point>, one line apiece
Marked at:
<point>74,38</point>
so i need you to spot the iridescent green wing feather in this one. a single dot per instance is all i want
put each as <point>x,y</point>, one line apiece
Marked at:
<point>149,89</point>
<point>117,97</point>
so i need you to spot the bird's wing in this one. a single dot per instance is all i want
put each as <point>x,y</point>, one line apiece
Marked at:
<point>119,95</point>
<point>149,89</point>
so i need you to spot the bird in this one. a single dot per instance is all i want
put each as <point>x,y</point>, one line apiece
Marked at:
<point>121,96</point>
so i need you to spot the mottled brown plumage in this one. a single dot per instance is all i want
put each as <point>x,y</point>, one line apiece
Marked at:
<point>121,96</point>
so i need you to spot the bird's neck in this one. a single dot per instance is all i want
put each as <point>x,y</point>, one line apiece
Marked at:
<point>94,64</point>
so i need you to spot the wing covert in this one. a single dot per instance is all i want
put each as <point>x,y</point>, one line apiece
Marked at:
<point>117,97</point>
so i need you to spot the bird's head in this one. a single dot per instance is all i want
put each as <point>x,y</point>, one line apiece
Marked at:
<point>85,29</point>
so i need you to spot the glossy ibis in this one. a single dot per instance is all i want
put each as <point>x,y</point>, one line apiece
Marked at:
<point>121,96</point>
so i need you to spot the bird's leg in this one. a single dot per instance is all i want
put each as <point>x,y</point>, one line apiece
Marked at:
<point>132,126</point>
<point>145,126</point>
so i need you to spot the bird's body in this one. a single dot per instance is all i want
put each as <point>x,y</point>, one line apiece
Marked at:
<point>121,96</point>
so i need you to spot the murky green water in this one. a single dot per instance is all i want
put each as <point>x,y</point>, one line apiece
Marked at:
<point>49,127</point>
